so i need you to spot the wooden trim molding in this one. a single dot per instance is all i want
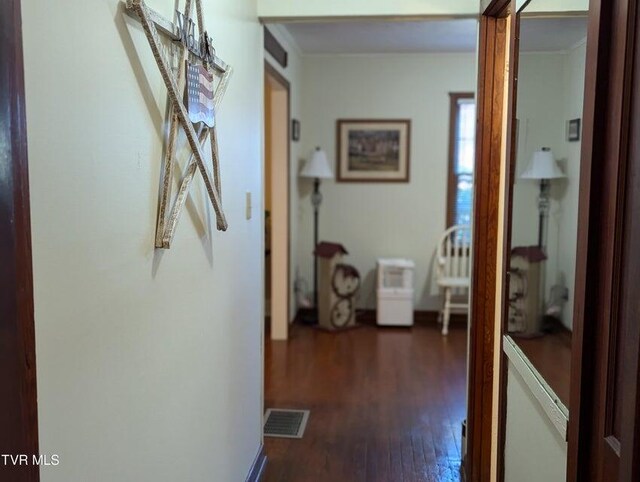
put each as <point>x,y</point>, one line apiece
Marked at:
<point>273,72</point>
<point>495,8</point>
<point>256,472</point>
<point>18,398</point>
<point>505,251</point>
<point>490,102</point>
<point>275,48</point>
<point>549,402</point>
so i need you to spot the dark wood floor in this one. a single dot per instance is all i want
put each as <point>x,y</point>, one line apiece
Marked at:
<point>386,404</point>
<point>551,356</point>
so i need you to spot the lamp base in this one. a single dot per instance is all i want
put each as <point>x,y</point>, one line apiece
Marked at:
<point>543,210</point>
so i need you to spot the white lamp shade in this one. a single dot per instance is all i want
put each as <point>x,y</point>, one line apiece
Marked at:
<point>317,166</point>
<point>542,166</point>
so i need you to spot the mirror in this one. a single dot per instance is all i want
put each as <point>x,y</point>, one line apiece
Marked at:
<point>550,83</point>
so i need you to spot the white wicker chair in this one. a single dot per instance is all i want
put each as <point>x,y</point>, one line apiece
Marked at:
<point>454,271</point>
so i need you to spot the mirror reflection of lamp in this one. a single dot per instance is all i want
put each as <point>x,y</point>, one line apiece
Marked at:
<point>316,167</point>
<point>543,167</point>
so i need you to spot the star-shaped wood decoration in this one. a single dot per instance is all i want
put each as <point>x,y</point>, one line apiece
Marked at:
<point>191,46</point>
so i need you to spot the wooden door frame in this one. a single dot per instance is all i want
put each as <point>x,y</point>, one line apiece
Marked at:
<point>630,404</point>
<point>605,143</point>
<point>605,148</point>
<point>509,176</point>
<point>270,70</point>
<point>18,399</point>
<point>492,63</point>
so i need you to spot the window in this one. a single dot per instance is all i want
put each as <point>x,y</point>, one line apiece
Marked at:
<point>462,145</point>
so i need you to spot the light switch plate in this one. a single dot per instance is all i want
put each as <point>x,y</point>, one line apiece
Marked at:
<point>248,205</point>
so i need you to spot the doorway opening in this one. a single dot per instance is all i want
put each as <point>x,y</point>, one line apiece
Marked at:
<point>276,202</point>
<point>385,164</point>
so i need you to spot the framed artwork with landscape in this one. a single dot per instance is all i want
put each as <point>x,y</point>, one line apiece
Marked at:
<point>373,150</point>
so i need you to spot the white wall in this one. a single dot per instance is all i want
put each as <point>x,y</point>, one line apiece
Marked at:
<point>550,92</point>
<point>293,9</point>
<point>149,362</point>
<point>540,124</point>
<point>566,193</point>
<point>377,220</point>
<point>534,449</point>
<point>558,6</point>
<point>293,73</point>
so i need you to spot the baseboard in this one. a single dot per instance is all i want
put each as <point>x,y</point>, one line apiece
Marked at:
<point>368,316</point>
<point>257,468</point>
<point>429,316</point>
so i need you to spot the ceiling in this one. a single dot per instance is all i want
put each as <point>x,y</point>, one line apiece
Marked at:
<point>371,37</point>
<point>552,34</point>
<point>385,37</point>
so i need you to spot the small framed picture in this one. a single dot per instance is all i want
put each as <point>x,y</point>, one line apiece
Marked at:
<point>373,150</point>
<point>573,130</point>
<point>295,130</point>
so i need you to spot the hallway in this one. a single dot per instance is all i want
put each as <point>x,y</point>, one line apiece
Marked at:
<point>386,404</point>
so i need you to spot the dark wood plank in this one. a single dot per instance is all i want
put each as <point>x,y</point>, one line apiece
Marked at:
<point>628,362</point>
<point>385,404</point>
<point>275,48</point>
<point>580,432</point>
<point>18,399</point>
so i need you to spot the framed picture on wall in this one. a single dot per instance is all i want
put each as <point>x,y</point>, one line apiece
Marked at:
<point>295,130</point>
<point>373,150</point>
<point>573,130</point>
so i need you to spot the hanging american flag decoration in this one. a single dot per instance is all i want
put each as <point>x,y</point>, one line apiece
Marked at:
<point>193,102</point>
<point>200,94</point>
